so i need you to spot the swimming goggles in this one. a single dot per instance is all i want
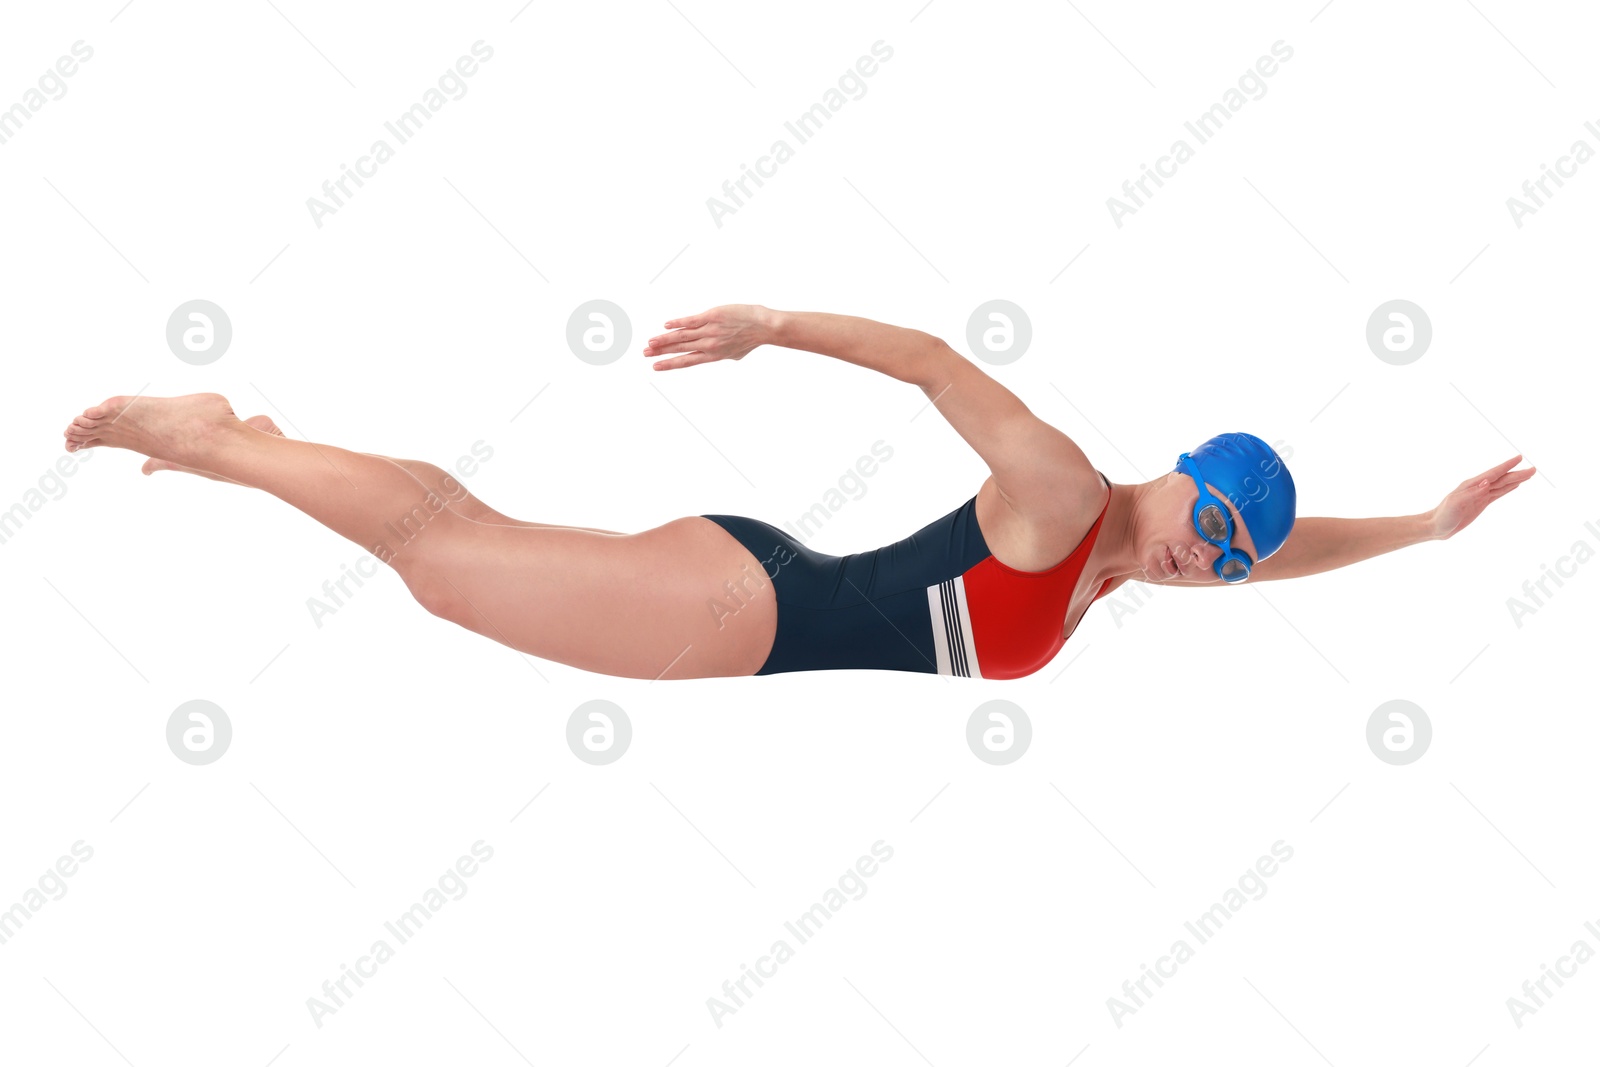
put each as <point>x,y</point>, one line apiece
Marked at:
<point>1212,521</point>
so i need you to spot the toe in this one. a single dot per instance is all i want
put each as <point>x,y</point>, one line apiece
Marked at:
<point>106,407</point>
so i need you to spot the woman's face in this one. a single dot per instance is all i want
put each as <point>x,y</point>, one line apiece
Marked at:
<point>1171,549</point>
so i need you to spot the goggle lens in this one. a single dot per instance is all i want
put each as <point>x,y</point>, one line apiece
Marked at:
<point>1215,527</point>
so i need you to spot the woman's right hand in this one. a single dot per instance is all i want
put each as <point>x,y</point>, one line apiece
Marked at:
<point>730,331</point>
<point>1466,501</point>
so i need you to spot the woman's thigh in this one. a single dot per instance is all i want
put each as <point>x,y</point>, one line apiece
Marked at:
<point>681,600</point>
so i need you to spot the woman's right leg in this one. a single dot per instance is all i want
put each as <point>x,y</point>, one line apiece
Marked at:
<point>450,490</point>
<point>681,600</point>
<point>656,604</point>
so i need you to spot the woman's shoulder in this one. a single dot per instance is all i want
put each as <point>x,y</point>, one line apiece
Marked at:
<point>1043,537</point>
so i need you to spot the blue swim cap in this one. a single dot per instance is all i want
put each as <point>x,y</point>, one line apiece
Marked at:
<point>1253,478</point>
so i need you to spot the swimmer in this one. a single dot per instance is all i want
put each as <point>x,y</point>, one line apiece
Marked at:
<point>993,589</point>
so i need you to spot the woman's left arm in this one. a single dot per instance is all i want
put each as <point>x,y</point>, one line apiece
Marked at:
<point>1318,544</point>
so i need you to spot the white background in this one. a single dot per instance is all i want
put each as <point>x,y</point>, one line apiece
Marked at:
<point>1188,735</point>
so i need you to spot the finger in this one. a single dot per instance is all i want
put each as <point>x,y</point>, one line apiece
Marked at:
<point>1496,471</point>
<point>667,349</point>
<point>691,360</point>
<point>691,322</point>
<point>1512,478</point>
<point>1499,491</point>
<point>677,335</point>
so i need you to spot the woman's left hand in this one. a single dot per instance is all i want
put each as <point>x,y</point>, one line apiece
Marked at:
<point>1467,500</point>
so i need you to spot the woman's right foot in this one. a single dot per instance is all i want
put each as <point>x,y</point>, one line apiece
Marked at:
<point>173,428</point>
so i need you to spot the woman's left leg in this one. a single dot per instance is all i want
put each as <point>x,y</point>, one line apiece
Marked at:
<point>455,494</point>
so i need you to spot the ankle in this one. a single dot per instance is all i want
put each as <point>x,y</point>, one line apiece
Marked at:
<point>210,438</point>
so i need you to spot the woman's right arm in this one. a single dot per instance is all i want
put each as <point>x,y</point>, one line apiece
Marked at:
<point>903,354</point>
<point>1040,472</point>
<point>731,331</point>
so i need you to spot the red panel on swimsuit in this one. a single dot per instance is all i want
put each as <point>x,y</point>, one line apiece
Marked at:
<point>1017,615</point>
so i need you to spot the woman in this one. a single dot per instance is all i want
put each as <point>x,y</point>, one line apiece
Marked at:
<point>991,590</point>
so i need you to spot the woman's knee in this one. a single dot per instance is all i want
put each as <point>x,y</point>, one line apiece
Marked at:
<point>435,478</point>
<point>448,488</point>
<point>431,588</point>
<point>422,550</point>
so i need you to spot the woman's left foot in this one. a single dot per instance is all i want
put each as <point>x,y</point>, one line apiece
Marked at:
<point>260,422</point>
